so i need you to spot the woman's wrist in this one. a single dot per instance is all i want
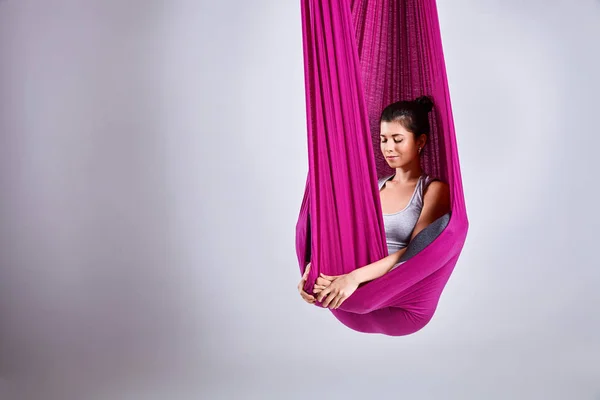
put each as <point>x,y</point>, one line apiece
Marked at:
<point>357,276</point>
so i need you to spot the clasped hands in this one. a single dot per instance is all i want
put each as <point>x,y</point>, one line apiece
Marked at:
<point>332,291</point>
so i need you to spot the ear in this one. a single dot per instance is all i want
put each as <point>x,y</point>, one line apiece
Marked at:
<point>422,140</point>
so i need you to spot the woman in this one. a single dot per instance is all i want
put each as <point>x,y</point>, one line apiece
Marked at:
<point>410,200</point>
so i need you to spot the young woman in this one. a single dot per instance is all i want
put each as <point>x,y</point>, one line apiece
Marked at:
<point>410,199</point>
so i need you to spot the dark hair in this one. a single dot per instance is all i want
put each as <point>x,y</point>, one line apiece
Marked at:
<point>413,115</point>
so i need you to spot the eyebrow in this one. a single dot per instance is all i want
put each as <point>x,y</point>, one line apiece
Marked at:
<point>395,134</point>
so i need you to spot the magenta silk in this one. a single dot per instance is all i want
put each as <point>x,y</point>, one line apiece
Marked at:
<point>360,56</point>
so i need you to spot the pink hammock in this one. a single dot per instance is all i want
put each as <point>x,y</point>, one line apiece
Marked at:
<point>360,56</point>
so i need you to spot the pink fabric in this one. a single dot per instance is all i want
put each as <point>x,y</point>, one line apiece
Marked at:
<point>360,56</point>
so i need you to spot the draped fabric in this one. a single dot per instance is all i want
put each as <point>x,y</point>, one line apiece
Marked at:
<point>360,56</point>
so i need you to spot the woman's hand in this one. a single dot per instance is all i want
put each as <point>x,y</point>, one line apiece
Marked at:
<point>321,283</point>
<point>310,299</point>
<point>340,288</point>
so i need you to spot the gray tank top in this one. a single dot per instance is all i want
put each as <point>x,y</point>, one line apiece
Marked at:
<point>400,225</point>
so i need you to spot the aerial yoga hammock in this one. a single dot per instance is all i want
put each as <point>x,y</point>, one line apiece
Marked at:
<point>360,56</point>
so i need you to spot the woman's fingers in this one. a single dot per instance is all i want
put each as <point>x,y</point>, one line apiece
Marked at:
<point>323,295</point>
<point>328,300</point>
<point>322,282</point>
<point>307,297</point>
<point>326,296</point>
<point>336,302</point>
<point>306,271</point>
<point>329,278</point>
<point>318,288</point>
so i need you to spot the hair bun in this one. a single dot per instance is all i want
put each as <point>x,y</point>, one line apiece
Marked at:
<point>425,102</point>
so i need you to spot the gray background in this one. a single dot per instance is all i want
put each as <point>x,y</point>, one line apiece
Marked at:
<point>152,164</point>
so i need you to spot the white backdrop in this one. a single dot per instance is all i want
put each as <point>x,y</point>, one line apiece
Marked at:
<point>152,164</point>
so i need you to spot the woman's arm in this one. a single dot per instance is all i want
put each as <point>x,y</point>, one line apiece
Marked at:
<point>378,268</point>
<point>436,202</point>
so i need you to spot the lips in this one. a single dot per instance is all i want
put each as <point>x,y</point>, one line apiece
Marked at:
<point>391,157</point>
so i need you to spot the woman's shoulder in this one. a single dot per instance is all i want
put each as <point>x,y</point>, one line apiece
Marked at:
<point>433,184</point>
<point>438,186</point>
<point>436,191</point>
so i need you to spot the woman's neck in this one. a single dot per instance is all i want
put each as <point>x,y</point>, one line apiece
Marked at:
<point>405,175</point>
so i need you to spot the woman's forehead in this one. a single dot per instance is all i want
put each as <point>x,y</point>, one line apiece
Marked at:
<point>393,128</point>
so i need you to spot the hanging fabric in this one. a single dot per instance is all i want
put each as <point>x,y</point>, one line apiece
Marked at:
<point>360,56</point>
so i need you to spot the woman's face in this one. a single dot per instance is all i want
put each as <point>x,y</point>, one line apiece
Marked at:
<point>398,145</point>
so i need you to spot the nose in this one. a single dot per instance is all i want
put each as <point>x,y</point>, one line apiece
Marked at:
<point>389,146</point>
